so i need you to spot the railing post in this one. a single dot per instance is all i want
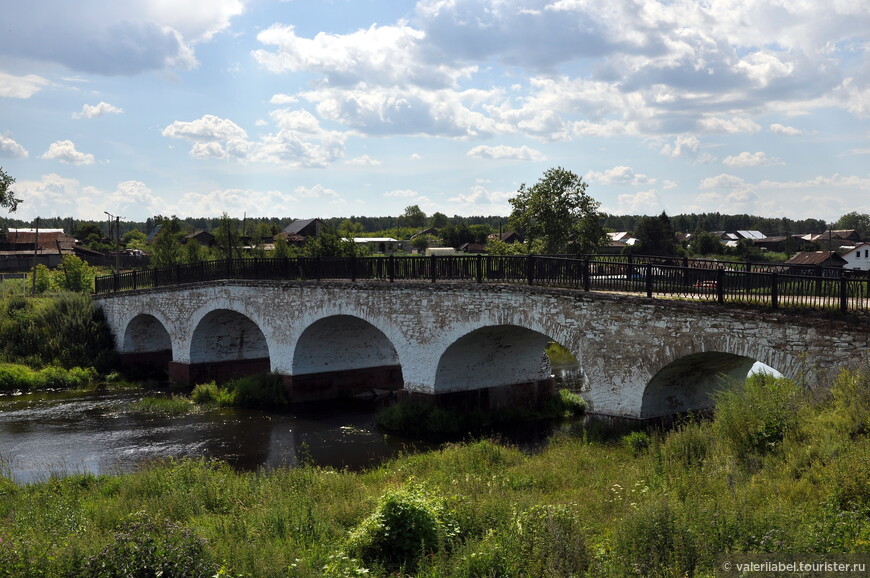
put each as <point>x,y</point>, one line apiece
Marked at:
<point>649,281</point>
<point>530,269</point>
<point>774,290</point>
<point>479,262</point>
<point>844,294</point>
<point>391,268</point>
<point>116,281</point>
<point>317,268</point>
<point>720,285</point>
<point>433,264</point>
<point>587,279</point>
<point>353,268</point>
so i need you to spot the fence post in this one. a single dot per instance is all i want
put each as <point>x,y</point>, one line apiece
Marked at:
<point>433,264</point>
<point>530,269</point>
<point>353,268</point>
<point>479,268</point>
<point>844,294</point>
<point>586,276</point>
<point>649,281</point>
<point>720,285</point>
<point>117,280</point>
<point>774,290</point>
<point>391,268</point>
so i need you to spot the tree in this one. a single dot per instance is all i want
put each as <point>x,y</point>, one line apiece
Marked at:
<point>413,217</point>
<point>705,243</point>
<point>655,236</point>
<point>167,249</point>
<point>7,196</point>
<point>557,214</point>
<point>439,220</point>
<point>860,222</point>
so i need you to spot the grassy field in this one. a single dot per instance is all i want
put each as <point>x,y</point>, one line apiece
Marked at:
<point>777,469</point>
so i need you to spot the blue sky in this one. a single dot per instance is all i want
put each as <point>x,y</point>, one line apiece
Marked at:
<point>319,108</point>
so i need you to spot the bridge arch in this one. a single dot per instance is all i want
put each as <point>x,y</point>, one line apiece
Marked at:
<point>688,383</point>
<point>492,358</point>
<point>339,354</point>
<point>145,333</point>
<point>339,343</point>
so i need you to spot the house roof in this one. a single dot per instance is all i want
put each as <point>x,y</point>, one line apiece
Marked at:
<point>48,238</point>
<point>856,248</point>
<point>751,234</point>
<point>297,226</point>
<point>816,258</point>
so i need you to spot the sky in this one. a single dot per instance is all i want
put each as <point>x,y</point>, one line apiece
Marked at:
<point>334,108</point>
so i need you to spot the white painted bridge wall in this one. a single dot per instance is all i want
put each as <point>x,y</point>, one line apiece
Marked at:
<point>451,337</point>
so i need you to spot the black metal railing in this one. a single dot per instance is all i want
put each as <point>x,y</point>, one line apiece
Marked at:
<point>773,286</point>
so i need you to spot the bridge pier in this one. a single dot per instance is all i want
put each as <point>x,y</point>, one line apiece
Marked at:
<point>530,394</point>
<point>190,374</point>
<point>338,384</point>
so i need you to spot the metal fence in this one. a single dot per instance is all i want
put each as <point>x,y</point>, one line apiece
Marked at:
<point>771,286</point>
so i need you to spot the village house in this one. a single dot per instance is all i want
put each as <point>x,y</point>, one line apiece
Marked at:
<point>858,257</point>
<point>824,263</point>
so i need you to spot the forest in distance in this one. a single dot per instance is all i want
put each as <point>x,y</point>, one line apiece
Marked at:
<point>686,223</point>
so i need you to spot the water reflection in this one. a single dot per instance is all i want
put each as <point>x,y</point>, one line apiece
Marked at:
<point>98,433</point>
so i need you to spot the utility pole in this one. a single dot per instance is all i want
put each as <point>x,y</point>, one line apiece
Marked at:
<point>35,255</point>
<point>117,239</point>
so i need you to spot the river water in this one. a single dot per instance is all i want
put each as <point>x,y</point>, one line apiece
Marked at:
<point>58,433</point>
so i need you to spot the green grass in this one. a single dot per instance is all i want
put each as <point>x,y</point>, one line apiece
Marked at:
<point>168,406</point>
<point>669,504</point>
<point>17,377</point>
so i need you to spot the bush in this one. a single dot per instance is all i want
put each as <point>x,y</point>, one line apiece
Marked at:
<point>548,541</point>
<point>637,441</point>
<point>407,524</point>
<point>651,541</point>
<point>14,377</point>
<point>753,417</point>
<point>143,547</point>
<point>262,391</point>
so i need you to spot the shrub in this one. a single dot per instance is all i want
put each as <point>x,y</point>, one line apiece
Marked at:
<point>651,541</point>
<point>637,441</point>
<point>548,541</point>
<point>407,524</point>
<point>687,446</point>
<point>262,391</point>
<point>144,547</point>
<point>753,417</point>
<point>14,376</point>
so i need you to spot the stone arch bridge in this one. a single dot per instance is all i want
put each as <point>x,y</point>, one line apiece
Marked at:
<point>470,343</point>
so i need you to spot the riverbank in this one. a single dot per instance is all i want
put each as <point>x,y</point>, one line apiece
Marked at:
<point>775,471</point>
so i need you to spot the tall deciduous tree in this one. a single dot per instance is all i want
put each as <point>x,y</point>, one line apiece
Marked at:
<point>7,196</point>
<point>557,216</point>
<point>860,222</point>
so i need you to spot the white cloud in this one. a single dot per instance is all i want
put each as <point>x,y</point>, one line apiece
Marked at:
<point>686,146</point>
<point>723,181</point>
<point>11,149</point>
<point>65,152</point>
<point>363,161</point>
<point>502,152</point>
<point>89,111</point>
<point>208,128</point>
<point>730,126</point>
<point>380,56</point>
<point>777,128</point>
<point>315,192</point>
<point>21,86</point>
<point>481,201</point>
<point>117,38</point>
<point>402,194</point>
<point>621,175</point>
<point>252,202</point>
<point>640,203</point>
<point>747,159</point>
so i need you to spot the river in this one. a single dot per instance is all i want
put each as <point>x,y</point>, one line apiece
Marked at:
<point>57,433</point>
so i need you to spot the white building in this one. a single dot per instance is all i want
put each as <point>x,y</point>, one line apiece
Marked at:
<point>858,257</point>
